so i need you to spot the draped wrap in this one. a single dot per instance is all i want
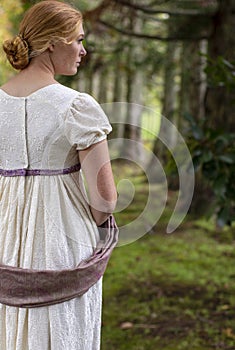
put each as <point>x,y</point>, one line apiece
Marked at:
<point>31,288</point>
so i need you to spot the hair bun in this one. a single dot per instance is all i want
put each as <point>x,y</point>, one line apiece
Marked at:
<point>17,52</point>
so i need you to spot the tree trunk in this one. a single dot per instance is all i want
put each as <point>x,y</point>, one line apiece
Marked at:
<point>192,95</point>
<point>134,98</point>
<point>193,79</point>
<point>103,87</point>
<point>118,106</point>
<point>219,100</point>
<point>168,110</point>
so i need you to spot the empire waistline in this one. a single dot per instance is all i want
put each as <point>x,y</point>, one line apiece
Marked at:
<point>38,172</point>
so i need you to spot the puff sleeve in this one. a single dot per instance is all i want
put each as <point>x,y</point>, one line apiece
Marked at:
<point>86,123</point>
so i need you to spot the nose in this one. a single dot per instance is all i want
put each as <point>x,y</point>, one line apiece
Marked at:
<point>83,51</point>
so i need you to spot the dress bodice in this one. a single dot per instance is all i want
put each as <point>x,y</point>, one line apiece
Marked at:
<point>45,129</point>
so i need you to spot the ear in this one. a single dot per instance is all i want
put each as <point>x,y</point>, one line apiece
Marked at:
<point>51,47</point>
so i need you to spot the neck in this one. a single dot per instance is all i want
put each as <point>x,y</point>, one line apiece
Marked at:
<point>41,68</point>
<point>38,74</point>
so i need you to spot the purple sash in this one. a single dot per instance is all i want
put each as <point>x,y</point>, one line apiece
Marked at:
<point>36,172</point>
<point>30,288</point>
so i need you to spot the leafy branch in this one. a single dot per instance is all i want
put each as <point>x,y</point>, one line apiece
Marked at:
<point>152,37</point>
<point>151,11</point>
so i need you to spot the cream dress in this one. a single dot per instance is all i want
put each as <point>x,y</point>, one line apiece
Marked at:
<point>45,221</point>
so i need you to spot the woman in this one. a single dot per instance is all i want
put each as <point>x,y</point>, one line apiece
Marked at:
<point>47,132</point>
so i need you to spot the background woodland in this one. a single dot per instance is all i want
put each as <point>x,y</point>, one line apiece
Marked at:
<point>174,58</point>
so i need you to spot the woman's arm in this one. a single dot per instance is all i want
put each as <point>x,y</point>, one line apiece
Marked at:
<point>96,166</point>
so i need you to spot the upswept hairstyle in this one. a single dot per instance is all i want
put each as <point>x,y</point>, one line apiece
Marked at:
<point>45,23</point>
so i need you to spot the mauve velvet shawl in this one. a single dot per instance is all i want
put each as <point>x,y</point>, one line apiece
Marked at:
<point>30,288</point>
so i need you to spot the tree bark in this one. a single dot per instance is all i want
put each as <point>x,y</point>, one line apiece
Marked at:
<point>219,100</point>
<point>134,98</point>
<point>168,110</point>
<point>193,79</point>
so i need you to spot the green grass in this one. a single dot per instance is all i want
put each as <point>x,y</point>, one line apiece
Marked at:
<point>169,292</point>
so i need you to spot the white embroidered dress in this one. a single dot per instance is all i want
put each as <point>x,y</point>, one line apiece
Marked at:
<point>45,221</point>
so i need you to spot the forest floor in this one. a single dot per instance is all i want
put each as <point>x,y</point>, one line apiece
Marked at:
<point>169,291</point>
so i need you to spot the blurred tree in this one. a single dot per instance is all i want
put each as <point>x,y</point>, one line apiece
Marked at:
<point>139,49</point>
<point>220,98</point>
<point>169,102</point>
<point>214,135</point>
<point>10,10</point>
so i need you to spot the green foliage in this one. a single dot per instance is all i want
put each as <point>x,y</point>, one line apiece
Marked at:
<point>213,149</point>
<point>10,11</point>
<point>220,72</point>
<point>169,292</point>
<point>213,155</point>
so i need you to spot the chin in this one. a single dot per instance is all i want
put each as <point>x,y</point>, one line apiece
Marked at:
<point>70,73</point>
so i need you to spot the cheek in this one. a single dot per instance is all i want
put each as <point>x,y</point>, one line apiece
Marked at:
<point>66,60</point>
<point>75,51</point>
<point>71,55</point>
